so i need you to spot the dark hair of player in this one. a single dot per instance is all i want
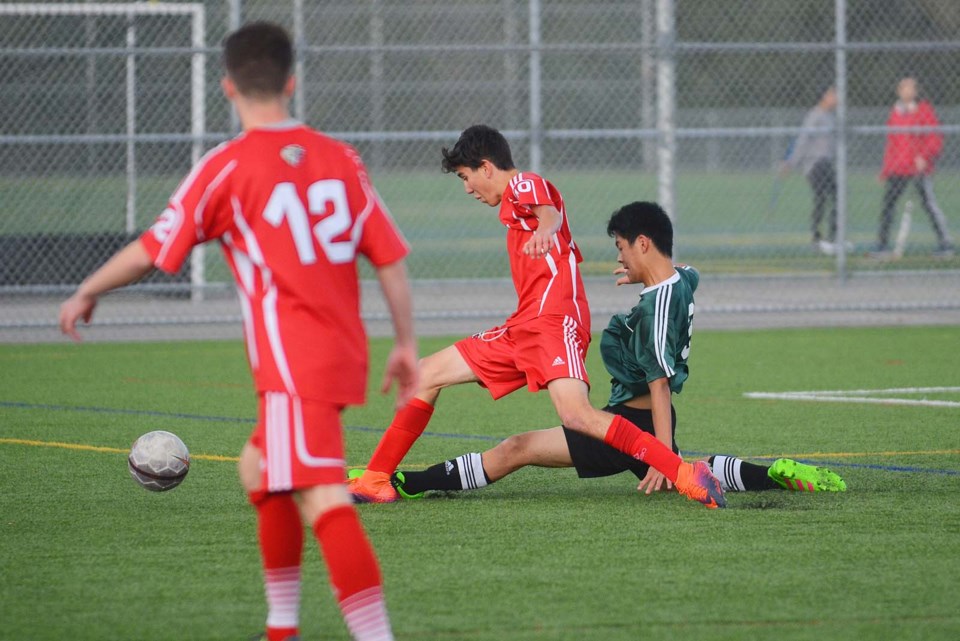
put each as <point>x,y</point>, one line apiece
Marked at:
<point>476,144</point>
<point>643,219</point>
<point>258,58</point>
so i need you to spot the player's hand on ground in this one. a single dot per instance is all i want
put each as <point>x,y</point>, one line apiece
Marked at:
<point>654,481</point>
<point>73,309</point>
<point>403,370</point>
<point>538,245</point>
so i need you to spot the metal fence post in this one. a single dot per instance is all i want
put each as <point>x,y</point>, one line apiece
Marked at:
<point>377,78</point>
<point>666,108</point>
<point>841,137</point>
<point>536,116</point>
<point>131,91</point>
<point>299,67</point>
<point>198,128</point>
<point>233,23</point>
<point>647,81</point>
<point>511,75</point>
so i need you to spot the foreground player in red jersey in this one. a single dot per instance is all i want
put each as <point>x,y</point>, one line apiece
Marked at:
<point>541,345</point>
<point>291,208</point>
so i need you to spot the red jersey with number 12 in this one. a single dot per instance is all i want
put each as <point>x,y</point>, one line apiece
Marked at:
<point>548,285</point>
<point>292,209</point>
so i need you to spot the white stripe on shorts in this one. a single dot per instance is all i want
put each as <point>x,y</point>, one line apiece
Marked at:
<point>570,340</point>
<point>279,467</point>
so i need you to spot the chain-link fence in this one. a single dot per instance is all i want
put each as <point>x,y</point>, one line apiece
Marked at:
<point>718,110</point>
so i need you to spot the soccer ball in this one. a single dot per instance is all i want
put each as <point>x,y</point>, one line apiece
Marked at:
<point>159,461</point>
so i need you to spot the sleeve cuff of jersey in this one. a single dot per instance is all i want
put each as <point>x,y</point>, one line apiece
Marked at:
<point>391,257</point>
<point>153,247</point>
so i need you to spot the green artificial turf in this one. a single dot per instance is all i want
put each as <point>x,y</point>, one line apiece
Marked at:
<point>87,554</point>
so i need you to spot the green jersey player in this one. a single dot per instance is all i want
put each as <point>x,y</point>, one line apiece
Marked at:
<point>645,352</point>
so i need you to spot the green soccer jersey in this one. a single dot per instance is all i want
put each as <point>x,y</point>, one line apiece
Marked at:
<point>653,340</point>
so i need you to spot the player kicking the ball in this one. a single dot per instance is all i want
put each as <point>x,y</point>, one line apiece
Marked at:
<point>292,209</point>
<point>543,343</point>
<point>646,353</point>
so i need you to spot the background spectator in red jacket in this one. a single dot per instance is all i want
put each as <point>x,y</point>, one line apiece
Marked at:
<point>910,156</point>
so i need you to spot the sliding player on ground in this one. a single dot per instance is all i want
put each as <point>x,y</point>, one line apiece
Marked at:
<point>646,353</point>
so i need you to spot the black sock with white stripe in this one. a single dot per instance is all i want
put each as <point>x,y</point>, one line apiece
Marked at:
<point>736,475</point>
<point>462,473</point>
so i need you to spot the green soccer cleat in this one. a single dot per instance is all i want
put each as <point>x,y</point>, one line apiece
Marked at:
<point>355,473</point>
<point>398,480</point>
<point>800,477</point>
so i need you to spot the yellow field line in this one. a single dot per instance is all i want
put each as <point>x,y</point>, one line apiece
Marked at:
<point>234,459</point>
<point>857,454</point>
<point>98,448</point>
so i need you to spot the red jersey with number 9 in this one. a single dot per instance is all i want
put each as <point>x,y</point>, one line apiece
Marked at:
<point>548,285</point>
<point>292,210</point>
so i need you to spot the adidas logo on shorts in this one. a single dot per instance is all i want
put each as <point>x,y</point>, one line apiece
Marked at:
<point>558,361</point>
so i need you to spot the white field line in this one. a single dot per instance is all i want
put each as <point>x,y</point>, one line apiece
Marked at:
<point>863,396</point>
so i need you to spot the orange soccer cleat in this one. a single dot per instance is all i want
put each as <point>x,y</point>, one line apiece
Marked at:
<point>371,487</point>
<point>696,483</point>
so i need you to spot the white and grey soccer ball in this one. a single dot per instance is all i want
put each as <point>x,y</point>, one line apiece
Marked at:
<point>159,461</point>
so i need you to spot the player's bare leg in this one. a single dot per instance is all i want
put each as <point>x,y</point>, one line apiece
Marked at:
<point>442,369</point>
<point>249,468</point>
<point>437,371</point>
<point>471,471</point>
<point>319,499</point>
<point>540,448</point>
<point>571,400</point>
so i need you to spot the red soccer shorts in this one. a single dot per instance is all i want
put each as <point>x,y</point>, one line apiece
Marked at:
<point>301,442</point>
<point>532,353</point>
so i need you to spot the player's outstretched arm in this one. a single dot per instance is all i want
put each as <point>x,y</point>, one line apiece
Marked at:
<point>128,265</point>
<point>549,221</point>
<point>402,362</point>
<point>654,480</point>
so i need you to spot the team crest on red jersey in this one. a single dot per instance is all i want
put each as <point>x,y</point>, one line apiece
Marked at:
<point>292,154</point>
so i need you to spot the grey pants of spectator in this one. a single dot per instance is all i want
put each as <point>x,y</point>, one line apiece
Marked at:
<point>893,191</point>
<point>823,182</point>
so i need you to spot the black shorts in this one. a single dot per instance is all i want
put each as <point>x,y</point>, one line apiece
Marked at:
<point>593,458</point>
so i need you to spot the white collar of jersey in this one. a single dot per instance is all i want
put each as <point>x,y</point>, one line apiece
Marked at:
<point>289,123</point>
<point>669,281</point>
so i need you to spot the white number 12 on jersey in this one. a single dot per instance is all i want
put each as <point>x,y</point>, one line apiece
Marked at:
<point>284,203</point>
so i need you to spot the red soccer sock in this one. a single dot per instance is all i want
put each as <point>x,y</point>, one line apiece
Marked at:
<point>631,440</point>
<point>354,573</point>
<point>407,426</point>
<point>280,532</point>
